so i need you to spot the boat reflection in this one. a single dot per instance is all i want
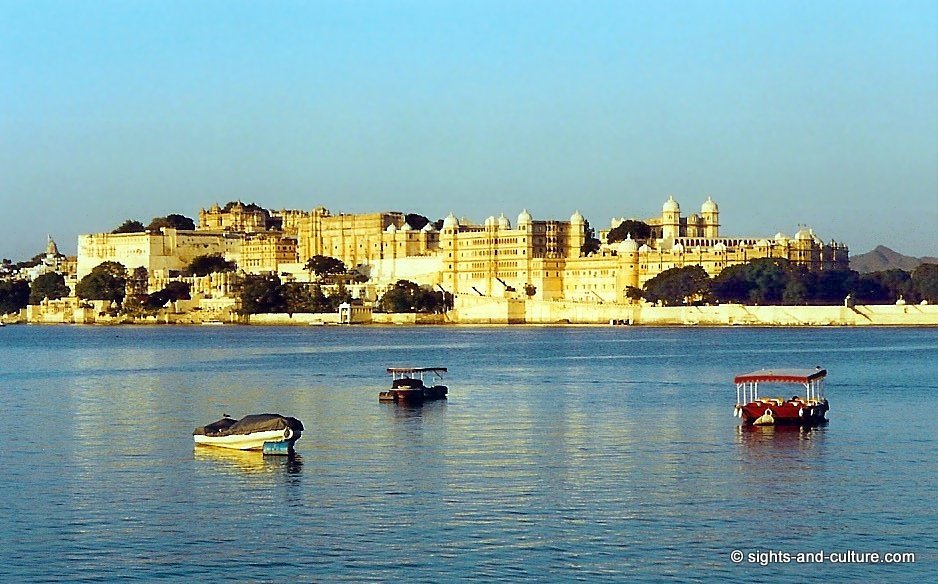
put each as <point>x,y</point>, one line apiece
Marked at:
<point>415,411</point>
<point>249,461</point>
<point>782,437</point>
<point>779,464</point>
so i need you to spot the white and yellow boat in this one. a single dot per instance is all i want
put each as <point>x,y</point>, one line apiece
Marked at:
<point>271,433</point>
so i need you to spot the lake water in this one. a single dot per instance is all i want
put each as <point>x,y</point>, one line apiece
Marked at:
<point>563,454</point>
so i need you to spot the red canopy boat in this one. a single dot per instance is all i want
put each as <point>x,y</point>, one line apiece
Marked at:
<point>807,410</point>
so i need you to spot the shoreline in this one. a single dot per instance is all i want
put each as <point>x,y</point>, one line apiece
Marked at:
<point>500,313</point>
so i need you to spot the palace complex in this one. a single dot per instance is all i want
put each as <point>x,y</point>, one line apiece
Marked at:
<point>543,259</point>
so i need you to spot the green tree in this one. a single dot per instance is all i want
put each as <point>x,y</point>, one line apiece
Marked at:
<point>6,268</point>
<point>204,265</point>
<point>340,295</point>
<point>925,282</point>
<point>107,281</point>
<point>51,286</point>
<point>769,277</point>
<point>637,229</point>
<point>677,286</point>
<point>416,221</point>
<point>14,295</point>
<point>325,266</point>
<point>795,292</point>
<point>883,287</point>
<point>633,293</point>
<point>178,291</point>
<point>130,226</point>
<point>406,296</point>
<point>832,286</point>
<point>358,277</point>
<point>762,281</point>
<point>156,301</point>
<point>172,220</point>
<point>297,298</point>
<point>247,207</point>
<point>732,284</point>
<point>31,262</point>
<point>261,294</point>
<point>590,244</point>
<point>319,301</point>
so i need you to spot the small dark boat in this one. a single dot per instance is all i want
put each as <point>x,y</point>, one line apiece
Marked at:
<point>809,410</point>
<point>407,385</point>
<point>271,433</point>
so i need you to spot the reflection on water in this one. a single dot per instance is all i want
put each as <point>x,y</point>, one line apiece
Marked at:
<point>780,465</point>
<point>781,437</point>
<point>415,411</point>
<point>248,461</point>
<point>545,464</point>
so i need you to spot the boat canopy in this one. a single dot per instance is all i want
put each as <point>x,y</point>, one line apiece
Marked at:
<point>782,376</point>
<point>248,424</point>
<point>406,370</point>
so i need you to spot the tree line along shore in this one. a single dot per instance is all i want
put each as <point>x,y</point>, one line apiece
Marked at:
<point>116,294</point>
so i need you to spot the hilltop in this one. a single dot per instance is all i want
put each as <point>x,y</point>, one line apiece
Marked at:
<point>883,258</point>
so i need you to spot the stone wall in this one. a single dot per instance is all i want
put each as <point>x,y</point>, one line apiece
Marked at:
<point>486,310</point>
<point>297,319</point>
<point>474,309</point>
<point>409,318</point>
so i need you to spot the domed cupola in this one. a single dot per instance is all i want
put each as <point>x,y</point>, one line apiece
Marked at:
<point>450,222</point>
<point>670,219</point>
<point>406,227</point>
<point>576,218</point>
<point>671,206</point>
<point>711,218</point>
<point>524,219</point>
<point>627,245</point>
<point>392,228</point>
<point>503,222</point>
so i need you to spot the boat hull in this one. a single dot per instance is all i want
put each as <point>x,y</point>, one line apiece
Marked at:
<point>252,441</point>
<point>414,394</point>
<point>786,413</point>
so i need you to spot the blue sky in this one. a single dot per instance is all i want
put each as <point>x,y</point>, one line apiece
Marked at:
<point>787,113</point>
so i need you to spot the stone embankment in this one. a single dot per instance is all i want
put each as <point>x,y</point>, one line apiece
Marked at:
<point>475,310</point>
<point>480,310</point>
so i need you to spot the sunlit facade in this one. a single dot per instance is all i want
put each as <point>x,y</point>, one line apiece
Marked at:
<point>543,259</point>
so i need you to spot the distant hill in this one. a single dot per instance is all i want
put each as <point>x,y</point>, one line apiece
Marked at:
<point>883,258</point>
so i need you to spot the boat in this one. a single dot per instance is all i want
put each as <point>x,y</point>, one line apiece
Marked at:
<point>407,385</point>
<point>808,410</point>
<point>270,433</point>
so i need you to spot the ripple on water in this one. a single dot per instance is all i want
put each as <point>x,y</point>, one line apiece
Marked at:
<point>564,454</point>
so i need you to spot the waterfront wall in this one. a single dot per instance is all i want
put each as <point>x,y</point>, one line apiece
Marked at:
<point>312,319</point>
<point>474,309</point>
<point>486,310</point>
